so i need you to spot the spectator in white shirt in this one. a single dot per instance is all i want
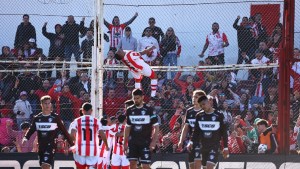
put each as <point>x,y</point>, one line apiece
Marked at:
<point>146,42</point>
<point>22,109</point>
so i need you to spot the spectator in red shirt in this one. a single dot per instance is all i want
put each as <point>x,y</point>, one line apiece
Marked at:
<point>112,104</point>
<point>67,105</point>
<point>189,81</point>
<point>235,144</point>
<point>44,90</point>
<point>116,30</point>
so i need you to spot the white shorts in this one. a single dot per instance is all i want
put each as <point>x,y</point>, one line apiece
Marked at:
<point>146,71</point>
<point>85,160</point>
<point>119,160</point>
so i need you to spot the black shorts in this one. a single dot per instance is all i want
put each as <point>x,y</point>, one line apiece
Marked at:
<point>195,154</point>
<point>220,59</point>
<point>46,155</point>
<point>139,152</point>
<point>210,156</point>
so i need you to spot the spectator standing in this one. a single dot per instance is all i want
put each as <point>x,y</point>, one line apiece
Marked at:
<point>157,32</point>
<point>56,49</point>
<point>22,109</point>
<point>260,28</point>
<point>127,43</point>
<point>216,42</point>
<point>110,75</point>
<point>116,29</point>
<point>71,31</point>
<point>168,49</point>
<point>112,104</point>
<point>246,41</point>
<point>25,31</point>
<point>148,41</point>
<point>87,46</point>
<point>84,84</point>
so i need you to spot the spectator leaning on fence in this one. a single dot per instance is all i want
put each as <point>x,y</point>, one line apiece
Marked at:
<point>116,29</point>
<point>57,46</point>
<point>215,42</point>
<point>71,31</point>
<point>158,34</point>
<point>24,32</point>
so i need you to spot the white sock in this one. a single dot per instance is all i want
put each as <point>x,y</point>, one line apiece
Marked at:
<point>153,87</point>
<point>137,85</point>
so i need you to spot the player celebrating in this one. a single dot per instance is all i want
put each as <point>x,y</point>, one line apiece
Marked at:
<point>209,128</point>
<point>194,154</point>
<point>46,124</point>
<point>118,159</point>
<point>138,67</point>
<point>84,130</point>
<point>140,122</point>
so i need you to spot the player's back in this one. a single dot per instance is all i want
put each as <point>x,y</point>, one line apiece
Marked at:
<point>118,145</point>
<point>132,60</point>
<point>87,141</point>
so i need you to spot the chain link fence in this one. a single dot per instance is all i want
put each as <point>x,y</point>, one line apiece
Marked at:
<point>238,64</point>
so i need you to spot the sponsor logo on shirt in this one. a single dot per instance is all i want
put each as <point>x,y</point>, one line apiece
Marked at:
<point>209,125</point>
<point>140,119</point>
<point>45,126</point>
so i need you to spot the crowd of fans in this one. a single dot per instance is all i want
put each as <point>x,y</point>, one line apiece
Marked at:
<point>243,102</point>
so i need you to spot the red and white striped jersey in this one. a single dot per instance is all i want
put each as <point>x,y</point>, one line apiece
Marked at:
<point>116,33</point>
<point>132,60</point>
<point>118,147</point>
<point>87,140</point>
<point>215,42</point>
<point>110,132</point>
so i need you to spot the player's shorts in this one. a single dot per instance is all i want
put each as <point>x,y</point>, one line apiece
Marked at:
<point>195,154</point>
<point>46,156</point>
<point>146,71</point>
<point>84,161</point>
<point>210,156</point>
<point>119,160</point>
<point>141,152</point>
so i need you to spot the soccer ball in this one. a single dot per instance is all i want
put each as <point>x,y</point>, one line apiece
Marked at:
<point>262,148</point>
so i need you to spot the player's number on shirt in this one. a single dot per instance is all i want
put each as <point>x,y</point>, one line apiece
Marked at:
<point>84,134</point>
<point>120,140</point>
